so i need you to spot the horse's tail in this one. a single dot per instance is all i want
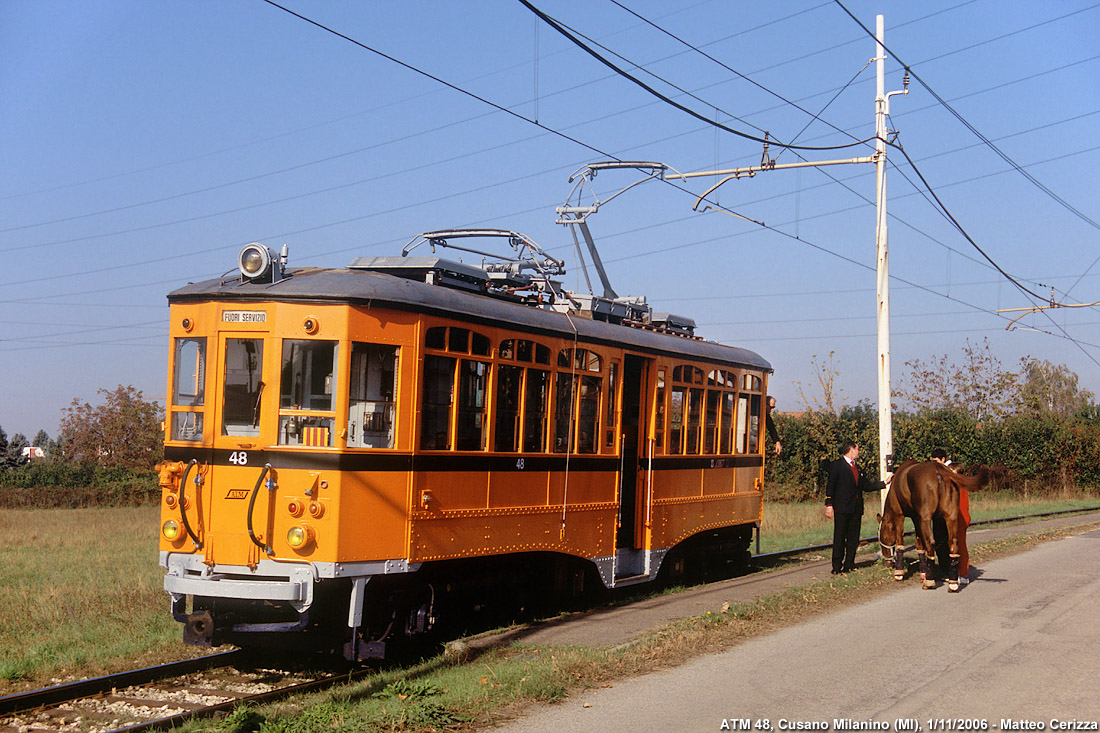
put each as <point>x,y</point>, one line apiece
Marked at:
<point>973,483</point>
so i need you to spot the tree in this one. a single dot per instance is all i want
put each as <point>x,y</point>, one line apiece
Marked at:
<point>123,431</point>
<point>826,372</point>
<point>1051,389</point>
<point>41,439</point>
<point>13,455</point>
<point>980,387</point>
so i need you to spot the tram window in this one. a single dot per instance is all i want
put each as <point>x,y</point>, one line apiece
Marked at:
<point>371,406</point>
<point>480,345</point>
<point>307,430</point>
<point>714,397</point>
<point>190,372</point>
<point>593,362</point>
<point>436,338</point>
<point>435,429</point>
<point>307,375</point>
<point>563,412</point>
<point>726,430</point>
<point>588,414</point>
<point>659,433</point>
<point>523,350</point>
<point>742,439</point>
<point>687,374</point>
<point>695,417</point>
<point>676,421</point>
<point>458,340</point>
<point>581,360</point>
<point>188,388</point>
<point>470,423</point>
<point>244,387</point>
<point>506,407</point>
<point>535,403</point>
<point>754,424</point>
<point>187,426</point>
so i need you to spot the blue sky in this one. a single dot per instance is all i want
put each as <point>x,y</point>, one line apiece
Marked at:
<point>145,143</point>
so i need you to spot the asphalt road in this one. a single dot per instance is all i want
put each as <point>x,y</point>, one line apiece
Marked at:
<point>1020,643</point>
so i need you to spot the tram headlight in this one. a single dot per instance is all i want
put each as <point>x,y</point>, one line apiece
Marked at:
<point>257,262</point>
<point>300,536</point>
<point>170,530</point>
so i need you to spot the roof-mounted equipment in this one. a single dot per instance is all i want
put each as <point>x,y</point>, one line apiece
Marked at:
<point>260,264</point>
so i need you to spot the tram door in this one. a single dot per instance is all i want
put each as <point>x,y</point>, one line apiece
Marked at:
<point>635,378</point>
<point>244,391</point>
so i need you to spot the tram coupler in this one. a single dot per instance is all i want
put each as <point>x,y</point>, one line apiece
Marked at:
<point>198,629</point>
<point>359,650</point>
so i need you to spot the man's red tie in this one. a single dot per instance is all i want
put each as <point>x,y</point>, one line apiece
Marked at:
<point>855,472</point>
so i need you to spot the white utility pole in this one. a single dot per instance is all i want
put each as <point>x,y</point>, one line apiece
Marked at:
<point>882,109</point>
<point>885,416</point>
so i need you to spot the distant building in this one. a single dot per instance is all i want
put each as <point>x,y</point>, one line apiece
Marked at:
<point>32,452</point>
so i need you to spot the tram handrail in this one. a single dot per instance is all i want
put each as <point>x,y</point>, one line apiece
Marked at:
<point>252,504</point>
<point>183,505</point>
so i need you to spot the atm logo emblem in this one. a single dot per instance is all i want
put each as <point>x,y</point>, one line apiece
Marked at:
<point>237,494</point>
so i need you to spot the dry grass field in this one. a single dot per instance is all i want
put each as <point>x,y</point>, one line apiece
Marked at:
<point>80,592</point>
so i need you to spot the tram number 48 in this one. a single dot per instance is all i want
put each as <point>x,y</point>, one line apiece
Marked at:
<point>239,458</point>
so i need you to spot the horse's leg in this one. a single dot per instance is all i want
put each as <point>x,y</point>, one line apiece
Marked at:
<point>953,545</point>
<point>953,578</point>
<point>899,562</point>
<point>926,546</point>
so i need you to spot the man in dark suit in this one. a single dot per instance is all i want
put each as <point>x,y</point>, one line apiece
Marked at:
<point>844,505</point>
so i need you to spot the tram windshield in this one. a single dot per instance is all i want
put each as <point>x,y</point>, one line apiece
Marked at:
<point>188,388</point>
<point>244,386</point>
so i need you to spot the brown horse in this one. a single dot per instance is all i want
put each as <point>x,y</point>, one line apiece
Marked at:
<point>918,491</point>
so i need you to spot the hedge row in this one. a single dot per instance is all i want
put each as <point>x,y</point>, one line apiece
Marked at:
<point>1028,455</point>
<point>52,484</point>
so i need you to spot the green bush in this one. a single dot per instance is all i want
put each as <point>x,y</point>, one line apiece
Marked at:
<point>53,484</point>
<point>1027,454</point>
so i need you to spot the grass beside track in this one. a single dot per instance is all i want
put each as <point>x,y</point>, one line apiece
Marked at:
<point>80,594</point>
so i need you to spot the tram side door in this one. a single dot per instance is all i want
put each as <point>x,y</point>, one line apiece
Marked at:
<point>630,533</point>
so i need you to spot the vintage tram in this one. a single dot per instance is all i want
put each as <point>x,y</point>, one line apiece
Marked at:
<point>354,454</point>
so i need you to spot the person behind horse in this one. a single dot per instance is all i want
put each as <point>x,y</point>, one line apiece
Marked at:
<point>939,527</point>
<point>844,504</point>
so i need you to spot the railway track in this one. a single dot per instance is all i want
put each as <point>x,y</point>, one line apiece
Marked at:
<point>159,697</point>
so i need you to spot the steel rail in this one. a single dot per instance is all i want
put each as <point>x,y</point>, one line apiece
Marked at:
<point>814,548</point>
<point>11,704</point>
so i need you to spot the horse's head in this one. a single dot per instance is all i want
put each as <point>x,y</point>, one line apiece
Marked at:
<point>889,535</point>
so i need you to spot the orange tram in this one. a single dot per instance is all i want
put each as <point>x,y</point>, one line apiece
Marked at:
<point>358,455</point>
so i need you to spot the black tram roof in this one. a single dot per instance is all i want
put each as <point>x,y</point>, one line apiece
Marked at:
<point>378,289</point>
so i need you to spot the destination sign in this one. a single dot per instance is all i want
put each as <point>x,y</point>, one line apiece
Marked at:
<point>244,317</point>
